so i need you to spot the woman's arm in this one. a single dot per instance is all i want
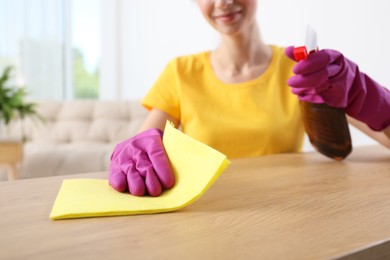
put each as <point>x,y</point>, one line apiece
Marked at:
<point>157,119</point>
<point>381,137</point>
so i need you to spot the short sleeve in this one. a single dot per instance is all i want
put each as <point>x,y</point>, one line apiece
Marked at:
<point>164,94</point>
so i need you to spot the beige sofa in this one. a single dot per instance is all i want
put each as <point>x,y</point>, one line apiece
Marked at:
<point>77,136</point>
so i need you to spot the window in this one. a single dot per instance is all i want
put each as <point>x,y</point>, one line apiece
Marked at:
<point>54,46</point>
<point>85,39</point>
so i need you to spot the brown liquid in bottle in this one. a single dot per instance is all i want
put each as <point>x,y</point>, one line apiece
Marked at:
<point>328,130</point>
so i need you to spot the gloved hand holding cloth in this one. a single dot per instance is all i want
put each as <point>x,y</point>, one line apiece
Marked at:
<point>141,166</point>
<point>326,76</point>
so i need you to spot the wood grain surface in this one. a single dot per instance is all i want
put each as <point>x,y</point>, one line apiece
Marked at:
<point>285,206</point>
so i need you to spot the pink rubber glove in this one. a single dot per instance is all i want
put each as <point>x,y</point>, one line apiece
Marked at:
<point>328,77</point>
<point>141,166</point>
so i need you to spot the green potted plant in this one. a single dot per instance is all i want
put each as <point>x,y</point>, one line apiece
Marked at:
<point>12,102</point>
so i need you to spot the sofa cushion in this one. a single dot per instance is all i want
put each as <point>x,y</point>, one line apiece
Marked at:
<point>76,136</point>
<point>49,159</point>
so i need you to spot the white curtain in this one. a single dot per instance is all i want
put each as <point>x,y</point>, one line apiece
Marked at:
<point>32,38</point>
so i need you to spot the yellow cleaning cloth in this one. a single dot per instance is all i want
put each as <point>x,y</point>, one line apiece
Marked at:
<point>195,165</point>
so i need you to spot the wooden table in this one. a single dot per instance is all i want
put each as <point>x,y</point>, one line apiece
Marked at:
<point>11,154</point>
<point>286,206</point>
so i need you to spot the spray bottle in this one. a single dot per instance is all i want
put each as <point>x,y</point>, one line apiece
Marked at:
<point>326,126</point>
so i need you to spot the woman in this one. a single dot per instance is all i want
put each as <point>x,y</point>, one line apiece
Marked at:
<point>236,99</point>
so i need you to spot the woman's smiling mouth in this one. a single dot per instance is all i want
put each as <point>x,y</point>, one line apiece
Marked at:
<point>227,17</point>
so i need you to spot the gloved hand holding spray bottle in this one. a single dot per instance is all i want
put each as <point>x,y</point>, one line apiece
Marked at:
<point>326,126</point>
<point>330,85</point>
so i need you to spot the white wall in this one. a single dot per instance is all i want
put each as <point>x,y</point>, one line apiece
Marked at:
<point>153,31</point>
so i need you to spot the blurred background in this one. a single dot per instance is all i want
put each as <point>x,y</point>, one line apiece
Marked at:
<point>115,49</point>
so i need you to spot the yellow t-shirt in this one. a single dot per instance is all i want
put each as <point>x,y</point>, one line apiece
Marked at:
<point>257,117</point>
